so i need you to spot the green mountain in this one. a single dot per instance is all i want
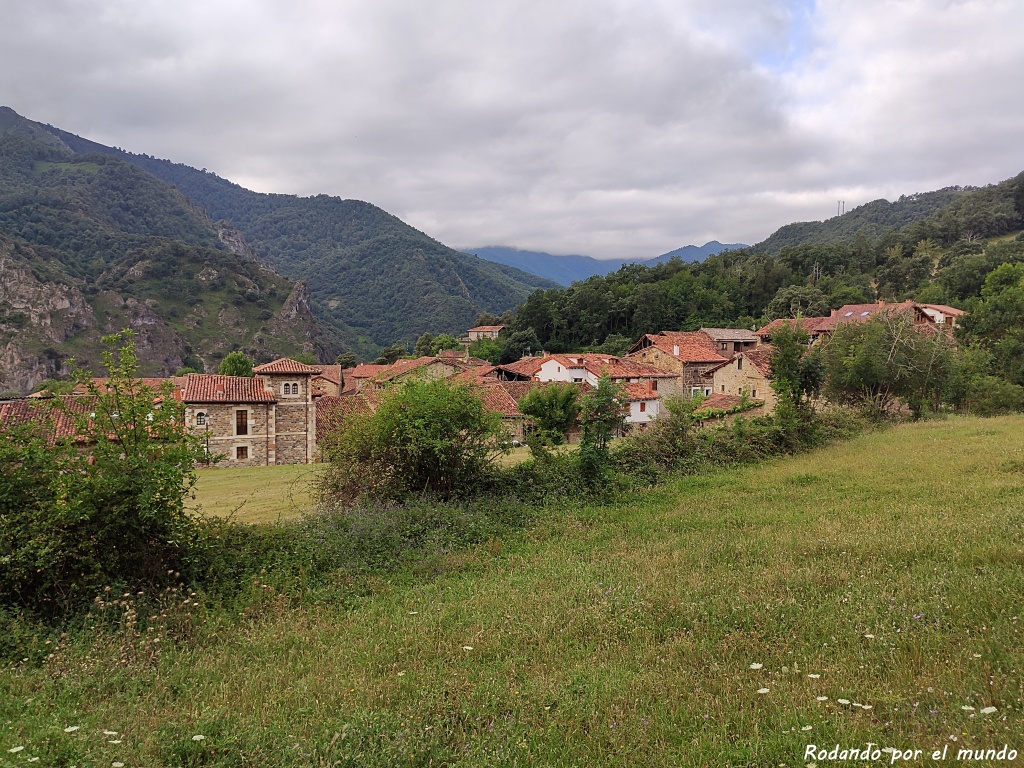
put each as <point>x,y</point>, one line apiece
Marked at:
<point>373,278</point>
<point>90,244</point>
<point>936,247</point>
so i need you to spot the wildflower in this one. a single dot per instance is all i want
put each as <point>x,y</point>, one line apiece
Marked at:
<point>967,708</point>
<point>843,701</point>
<point>117,765</point>
<point>870,637</point>
<point>33,760</point>
<point>413,613</point>
<point>71,729</point>
<point>866,706</point>
<point>806,728</point>
<point>756,666</point>
<point>762,690</point>
<point>15,750</point>
<point>467,647</point>
<point>822,698</point>
<point>110,733</point>
<point>814,677</point>
<point>976,655</point>
<point>114,741</point>
<point>987,710</point>
<point>400,674</point>
<point>198,737</point>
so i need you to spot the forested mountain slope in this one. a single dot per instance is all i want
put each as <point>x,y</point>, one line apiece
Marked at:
<point>90,244</point>
<point>368,270</point>
<point>951,241</point>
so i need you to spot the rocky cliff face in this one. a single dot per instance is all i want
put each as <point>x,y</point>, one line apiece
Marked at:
<point>36,316</point>
<point>295,321</point>
<point>234,241</point>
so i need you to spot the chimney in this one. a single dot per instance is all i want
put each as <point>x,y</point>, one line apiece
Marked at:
<point>675,350</point>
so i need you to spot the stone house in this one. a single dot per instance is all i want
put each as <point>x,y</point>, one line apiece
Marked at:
<point>267,419</point>
<point>484,332</point>
<point>688,354</point>
<point>749,373</point>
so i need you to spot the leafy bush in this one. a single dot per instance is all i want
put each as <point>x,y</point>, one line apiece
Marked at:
<point>993,396</point>
<point>100,502</point>
<point>426,437</point>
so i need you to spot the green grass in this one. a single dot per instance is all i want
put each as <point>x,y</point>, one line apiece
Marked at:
<point>256,494</point>
<point>889,566</point>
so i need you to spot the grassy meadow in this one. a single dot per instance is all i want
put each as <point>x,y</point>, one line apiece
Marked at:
<point>255,494</point>
<point>869,591</point>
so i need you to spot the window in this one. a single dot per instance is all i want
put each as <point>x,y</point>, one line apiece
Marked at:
<point>694,391</point>
<point>739,363</point>
<point>241,422</point>
<point>753,393</point>
<point>242,453</point>
<point>723,387</point>
<point>654,384</point>
<point>200,419</point>
<point>643,406</point>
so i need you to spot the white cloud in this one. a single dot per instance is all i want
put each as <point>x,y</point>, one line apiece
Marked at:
<point>606,127</point>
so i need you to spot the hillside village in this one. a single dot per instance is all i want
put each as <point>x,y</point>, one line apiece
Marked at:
<point>281,413</point>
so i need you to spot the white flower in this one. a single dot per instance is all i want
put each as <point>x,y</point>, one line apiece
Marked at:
<point>806,728</point>
<point>413,613</point>
<point>843,701</point>
<point>823,698</point>
<point>976,655</point>
<point>400,674</point>
<point>762,690</point>
<point>71,729</point>
<point>117,765</point>
<point>198,737</point>
<point>15,750</point>
<point>467,647</point>
<point>866,706</point>
<point>33,760</point>
<point>755,665</point>
<point>110,733</point>
<point>870,637</point>
<point>967,708</point>
<point>114,741</point>
<point>814,677</point>
<point>988,710</point>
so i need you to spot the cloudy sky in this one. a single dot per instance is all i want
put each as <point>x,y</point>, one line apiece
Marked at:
<point>614,128</point>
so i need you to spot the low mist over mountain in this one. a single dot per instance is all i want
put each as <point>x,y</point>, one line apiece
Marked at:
<point>568,269</point>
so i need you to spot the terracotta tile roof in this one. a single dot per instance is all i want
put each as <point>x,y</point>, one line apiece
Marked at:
<point>685,346</point>
<point>759,357</point>
<point>945,309</point>
<point>526,366</point>
<point>810,325</point>
<point>287,365</point>
<point>497,399</point>
<point>213,388</point>
<point>720,401</point>
<point>729,334</point>
<point>153,382</point>
<point>638,391</point>
<point>628,369</point>
<point>55,424</point>
<point>366,371</point>
<point>484,328</point>
<point>331,412</point>
<point>403,367</point>
<point>331,373</point>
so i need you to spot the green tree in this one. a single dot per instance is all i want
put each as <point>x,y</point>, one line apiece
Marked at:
<point>601,412</point>
<point>100,502</point>
<point>426,437</point>
<point>346,360</point>
<point>554,409</point>
<point>797,373</point>
<point>997,321</point>
<point>487,349</point>
<point>797,300</point>
<point>443,341</point>
<point>389,355</point>
<point>424,345</point>
<point>877,363</point>
<point>235,364</point>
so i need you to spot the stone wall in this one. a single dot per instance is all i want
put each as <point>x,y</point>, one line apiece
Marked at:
<point>219,432</point>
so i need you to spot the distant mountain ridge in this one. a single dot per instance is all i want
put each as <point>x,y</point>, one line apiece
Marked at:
<point>565,270</point>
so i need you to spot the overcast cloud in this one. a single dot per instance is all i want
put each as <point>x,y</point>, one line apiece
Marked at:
<point>603,127</point>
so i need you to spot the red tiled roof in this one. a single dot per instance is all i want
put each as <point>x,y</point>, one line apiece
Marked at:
<point>331,412</point>
<point>331,373</point>
<point>693,346</point>
<point>486,328</point>
<point>367,370</point>
<point>810,325</point>
<point>403,367</point>
<point>497,399</point>
<point>637,391</point>
<point>729,334</point>
<point>759,357</point>
<point>628,369</point>
<point>945,309</point>
<point>14,413</point>
<point>213,388</point>
<point>286,365</point>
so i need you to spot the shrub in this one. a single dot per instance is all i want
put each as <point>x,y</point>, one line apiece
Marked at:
<point>993,396</point>
<point>103,505</point>
<point>426,437</point>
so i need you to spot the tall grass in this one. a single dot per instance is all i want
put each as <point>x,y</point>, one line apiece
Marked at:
<point>884,571</point>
